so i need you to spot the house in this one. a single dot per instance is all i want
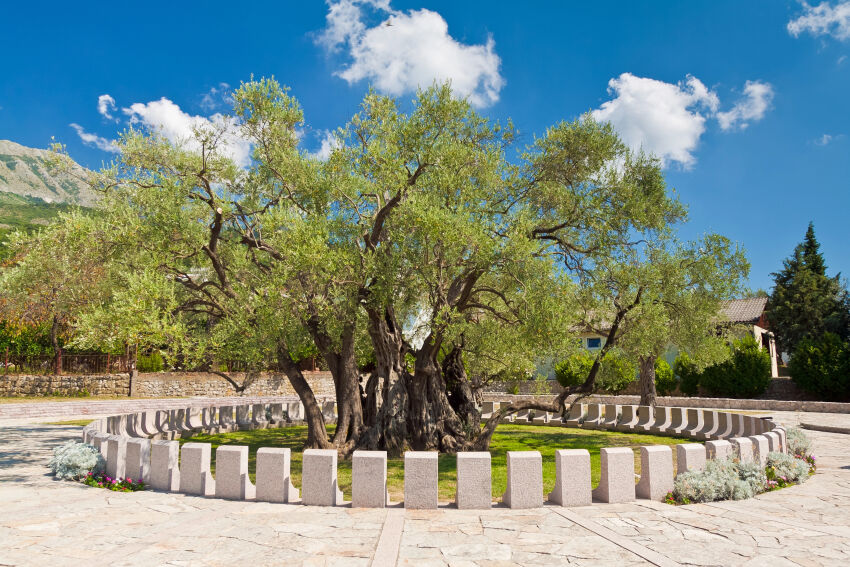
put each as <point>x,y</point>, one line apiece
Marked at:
<point>747,313</point>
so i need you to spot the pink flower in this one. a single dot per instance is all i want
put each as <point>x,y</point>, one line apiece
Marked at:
<point>129,480</point>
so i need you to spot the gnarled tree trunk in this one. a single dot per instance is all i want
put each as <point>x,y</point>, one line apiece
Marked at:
<point>317,435</point>
<point>647,380</point>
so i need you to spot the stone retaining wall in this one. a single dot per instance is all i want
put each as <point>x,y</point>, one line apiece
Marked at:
<point>126,443</point>
<point>158,385</point>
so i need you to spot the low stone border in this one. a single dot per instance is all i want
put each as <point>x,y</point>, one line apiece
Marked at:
<point>143,446</point>
<point>826,428</point>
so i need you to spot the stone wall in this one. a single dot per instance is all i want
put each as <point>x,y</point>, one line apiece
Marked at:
<point>158,385</point>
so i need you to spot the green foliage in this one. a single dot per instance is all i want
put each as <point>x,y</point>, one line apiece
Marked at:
<point>688,375</point>
<point>24,340</point>
<point>616,370</point>
<point>788,468</point>
<point>799,444</point>
<point>665,381</point>
<point>74,461</point>
<point>805,302</point>
<point>152,362</point>
<point>746,374</point>
<point>822,366</point>
<point>573,370</point>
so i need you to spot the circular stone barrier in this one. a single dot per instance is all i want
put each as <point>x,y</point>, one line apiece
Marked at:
<point>143,446</point>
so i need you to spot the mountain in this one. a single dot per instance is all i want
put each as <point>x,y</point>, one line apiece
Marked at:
<point>24,171</point>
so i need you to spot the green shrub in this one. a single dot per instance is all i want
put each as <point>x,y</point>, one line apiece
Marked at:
<point>822,366</point>
<point>787,468</point>
<point>615,373</point>
<point>724,479</point>
<point>150,363</point>
<point>665,381</point>
<point>798,442</point>
<point>75,460</point>
<point>688,375</point>
<point>746,374</point>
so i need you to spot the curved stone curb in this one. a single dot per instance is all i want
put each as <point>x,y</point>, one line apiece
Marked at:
<point>121,439</point>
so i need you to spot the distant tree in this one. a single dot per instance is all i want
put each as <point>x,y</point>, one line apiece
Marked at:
<point>805,302</point>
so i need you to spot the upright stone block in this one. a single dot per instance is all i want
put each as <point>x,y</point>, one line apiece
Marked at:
<point>718,449</point>
<point>295,411</point>
<point>195,477</point>
<point>243,419</point>
<point>678,421</point>
<point>693,423</point>
<point>165,473</point>
<point>645,418</point>
<point>474,480</point>
<point>576,412</point>
<point>724,425</point>
<point>743,449</point>
<point>147,423</point>
<point>194,419</point>
<point>617,480</point>
<point>690,457</point>
<point>369,479</point>
<point>99,442</point>
<point>277,413</point>
<point>258,416</point>
<point>760,448</point>
<point>525,480</point>
<point>772,441</point>
<point>609,421</point>
<point>231,473</point>
<point>737,424</point>
<point>656,472</point>
<point>318,478</point>
<point>420,480</point>
<point>329,411</point>
<point>572,478</point>
<point>628,418</point>
<point>593,416</point>
<point>783,439</point>
<point>709,426</point>
<point>487,409</point>
<point>138,461</point>
<point>663,419</point>
<point>116,456</point>
<point>225,417</point>
<point>273,482</point>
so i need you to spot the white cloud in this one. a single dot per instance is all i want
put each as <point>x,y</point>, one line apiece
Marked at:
<point>823,19</point>
<point>216,97</point>
<point>751,107</point>
<point>328,145</point>
<point>179,128</point>
<point>94,140</point>
<point>823,140</point>
<point>664,119</point>
<point>408,50</point>
<point>105,106</point>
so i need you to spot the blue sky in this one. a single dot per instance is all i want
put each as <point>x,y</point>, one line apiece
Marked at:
<point>746,102</point>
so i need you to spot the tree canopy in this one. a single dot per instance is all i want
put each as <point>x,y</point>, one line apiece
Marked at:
<point>425,255</point>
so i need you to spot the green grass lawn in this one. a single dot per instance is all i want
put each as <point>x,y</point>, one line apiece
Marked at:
<point>75,422</point>
<point>507,438</point>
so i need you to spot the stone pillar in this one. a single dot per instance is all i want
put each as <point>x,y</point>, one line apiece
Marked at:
<point>617,481</point>
<point>243,421</point>
<point>593,416</point>
<point>645,419</point>
<point>663,419</point>
<point>628,419</point>
<point>525,480</point>
<point>420,480</point>
<point>295,411</point>
<point>690,457</point>
<point>709,425</point>
<point>318,478</point>
<point>718,449</point>
<point>783,439</point>
<point>138,461</point>
<point>724,425</point>
<point>277,413</point>
<point>474,484</point>
<point>678,421</point>
<point>656,472</point>
<point>369,479</point>
<point>116,456</point>
<point>737,424</point>
<point>231,473</point>
<point>486,409</point>
<point>329,411</point>
<point>274,483</point>
<point>760,448</point>
<point>195,477</point>
<point>575,414</point>
<point>258,416</point>
<point>742,447</point>
<point>165,473</point>
<point>147,423</point>
<point>693,423</point>
<point>194,420</point>
<point>610,419</point>
<point>772,441</point>
<point>572,478</point>
<point>225,417</point>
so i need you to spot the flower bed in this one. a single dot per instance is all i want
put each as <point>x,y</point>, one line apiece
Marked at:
<point>100,480</point>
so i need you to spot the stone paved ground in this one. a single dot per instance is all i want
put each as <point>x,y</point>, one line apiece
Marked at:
<point>47,522</point>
